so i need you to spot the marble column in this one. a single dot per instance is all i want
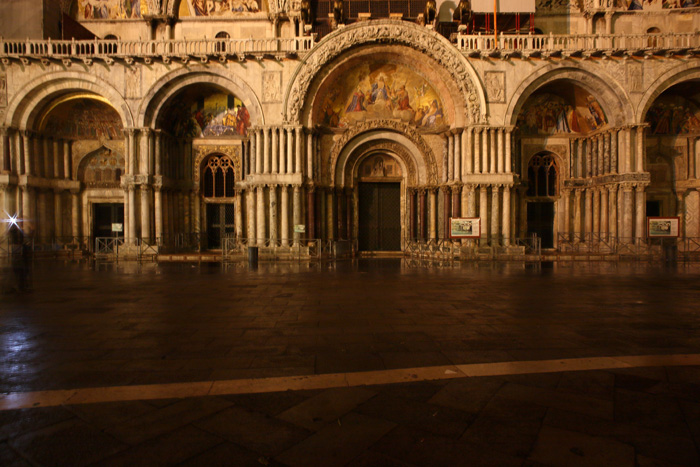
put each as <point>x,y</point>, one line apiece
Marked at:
<point>588,213</point>
<point>296,209</point>
<point>579,157</point>
<point>158,208</point>
<point>508,143</point>
<point>422,215</point>
<point>450,159</point>
<point>640,152</point>
<point>298,152</point>
<point>483,210</point>
<point>446,202</point>
<point>412,218</point>
<point>640,212</point>
<point>613,151</point>
<point>606,153</point>
<point>467,152</point>
<point>577,215</point>
<point>495,214</point>
<point>274,228</point>
<point>432,214</point>
<point>75,213</point>
<point>131,227</point>
<point>330,217</point>
<point>260,230</point>
<point>266,150</point>
<point>612,210</point>
<point>58,212</point>
<point>290,151</point>
<point>500,137</point>
<point>589,158</point>
<point>596,211</point>
<point>237,213</point>
<point>458,156</point>
<point>67,159</point>
<point>28,152</point>
<point>493,165</point>
<point>627,211</point>
<point>284,224</point>
<point>477,150</point>
<point>566,199</point>
<point>627,163</point>
<point>604,215</point>
<point>275,151</point>
<point>250,215</point>
<point>456,202</point>
<point>506,215</point>
<point>471,200</point>
<point>57,162</point>
<point>40,152</point>
<point>4,151</point>
<point>258,151</point>
<point>146,213</point>
<point>311,213</point>
<point>341,214</point>
<point>310,158</point>
<point>485,151</point>
<point>282,150</point>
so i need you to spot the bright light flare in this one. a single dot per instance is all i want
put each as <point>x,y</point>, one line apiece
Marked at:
<point>13,220</point>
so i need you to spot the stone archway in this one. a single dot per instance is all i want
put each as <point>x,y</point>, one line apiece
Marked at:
<point>359,34</point>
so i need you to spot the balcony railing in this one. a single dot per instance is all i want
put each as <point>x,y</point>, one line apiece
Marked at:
<point>163,49</point>
<point>575,43</point>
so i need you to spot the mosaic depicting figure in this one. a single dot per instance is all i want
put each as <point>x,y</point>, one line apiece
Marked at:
<point>84,119</point>
<point>671,115</point>
<point>552,114</point>
<point>223,7</point>
<point>382,91</point>
<point>109,9</point>
<point>215,115</point>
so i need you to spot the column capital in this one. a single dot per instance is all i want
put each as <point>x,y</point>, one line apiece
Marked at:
<point>627,186</point>
<point>27,133</point>
<point>640,187</point>
<point>4,130</point>
<point>129,131</point>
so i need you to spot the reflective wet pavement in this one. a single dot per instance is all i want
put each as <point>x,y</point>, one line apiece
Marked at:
<point>113,325</point>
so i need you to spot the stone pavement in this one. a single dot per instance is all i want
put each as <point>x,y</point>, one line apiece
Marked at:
<point>119,326</point>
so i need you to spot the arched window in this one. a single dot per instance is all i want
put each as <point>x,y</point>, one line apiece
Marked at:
<point>220,46</point>
<point>542,175</point>
<point>653,41</point>
<point>217,178</point>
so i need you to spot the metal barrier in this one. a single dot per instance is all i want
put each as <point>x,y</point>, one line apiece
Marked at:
<point>236,248</point>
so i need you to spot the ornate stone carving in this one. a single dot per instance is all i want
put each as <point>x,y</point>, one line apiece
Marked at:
<point>383,31</point>
<point>202,151</point>
<point>406,130</point>
<point>272,86</point>
<point>495,86</point>
<point>382,146</point>
<point>3,90</point>
<point>635,77</point>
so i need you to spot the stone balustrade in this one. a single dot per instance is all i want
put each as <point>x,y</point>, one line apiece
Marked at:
<point>578,43</point>
<point>164,49</point>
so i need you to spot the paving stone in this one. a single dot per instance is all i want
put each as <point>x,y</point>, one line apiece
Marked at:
<point>658,412</point>
<point>511,436</point>
<point>326,407</point>
<point>480,391</point>
<point>555,446</point>
<point>337,443</point>
<point>270,403</point>
<point>70,443</point>
<point>10,458</point>
<point>167,418</point>
<point>168,449</point>
<point>373,459</point>
<point>254,431</point>
<point>548,397</point>
<point>227,454</point>
<point>14,423</point>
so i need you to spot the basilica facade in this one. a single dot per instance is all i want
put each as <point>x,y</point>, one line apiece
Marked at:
<point>364,126</point>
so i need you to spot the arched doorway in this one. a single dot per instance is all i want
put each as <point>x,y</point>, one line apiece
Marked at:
<point>542,190</point>
<point>218,189</point>
<point>379,203</point>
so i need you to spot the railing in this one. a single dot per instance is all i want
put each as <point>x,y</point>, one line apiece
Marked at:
<point>233,248</point>
<point>531,43</point>
<point>180,242</point>
<point>487,247</point>
<point>100,48</point>
<point>115,248</point>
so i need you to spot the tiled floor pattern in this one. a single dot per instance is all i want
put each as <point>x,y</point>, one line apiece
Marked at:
<point>377,342</point>
<point>619,417</point>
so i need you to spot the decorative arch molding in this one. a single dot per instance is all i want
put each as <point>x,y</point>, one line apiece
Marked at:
<point>204,151</point>
<point>173,6</point>
<point>558,151</point>
<point>386,31</point>
<point>384,130</point>
<point>676,75</point>
<point>613,97</point>
<point>172,83</point>
<point>27,103</point>
<point>370,148</point>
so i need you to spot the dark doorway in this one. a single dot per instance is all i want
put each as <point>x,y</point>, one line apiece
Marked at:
<point>107,220</point>
<point>220,222</point>
<point>540,221</point>
<point>380,217</point>
<point>653,208</point>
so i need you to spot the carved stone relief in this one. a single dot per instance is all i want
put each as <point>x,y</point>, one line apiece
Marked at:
<point>406,130</point>
<point>389,167</point>
<point>692,214</point>
<point>3,90</point>
<point>635,77</point>
<point>383,31</point>
<point>495,86</point>
<point>132,81</point>
<point>272,86</point>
